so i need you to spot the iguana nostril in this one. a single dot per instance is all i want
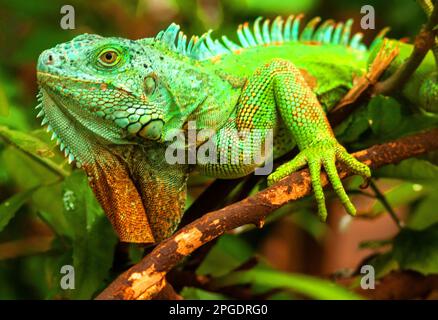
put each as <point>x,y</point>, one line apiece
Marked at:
<point>50,59</point>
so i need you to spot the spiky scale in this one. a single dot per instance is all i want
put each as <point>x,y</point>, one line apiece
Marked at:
<point>296,28</point>
<point>220,48</point>
<point>248,34</point>
<point>328,34</point>
<point>307,33</point>
<point>379,37</point>
<point>230,44</point>
<point>210,43</point>
<point>182,42</point>
<point>192,41</point>
<point>159,35</point>
<point>169,36</point>
<point>346,33</point>
<point>321,30</point>
<point>287,28</point>
<point>362,47</point>
<point>265,32</point>
<point>40,114</point>
<point>205,47</point>
<point>277,29</point>
<point>257,31</point>
<point>356,40</point>
<point>199,48</point>
<point>338,32</point>
<point>242,39</point>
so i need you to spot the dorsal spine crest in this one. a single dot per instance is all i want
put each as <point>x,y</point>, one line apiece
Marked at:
<point>264,33</point>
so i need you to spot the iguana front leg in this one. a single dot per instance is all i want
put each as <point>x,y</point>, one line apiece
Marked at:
<point>303,115</point>
<point>278,89</point>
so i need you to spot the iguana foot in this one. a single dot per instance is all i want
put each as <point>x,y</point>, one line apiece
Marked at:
<point>324,153</point>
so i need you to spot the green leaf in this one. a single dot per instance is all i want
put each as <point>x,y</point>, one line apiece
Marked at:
<point>384,115</point>
<point>417,249</point>
<point>4,104</point>
<point>387,119</point>
<point>190,293</point>
<point>401,194</point>
<point>26,142</point>
<point>425,213</point>
<point>9,208</point>
<point>33,147</point>
<point>56,222</point>
<point>227,254</point>
<point>413,123</point>
<point>47,200</point>
<point>310,286</point>
<point>353,127</point>
<point>409,169</point>
<point>93,237</point>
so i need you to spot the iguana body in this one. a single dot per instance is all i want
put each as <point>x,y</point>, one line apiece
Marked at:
<point>112,103</point>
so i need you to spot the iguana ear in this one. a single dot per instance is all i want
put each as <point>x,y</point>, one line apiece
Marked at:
<point>142,195</point>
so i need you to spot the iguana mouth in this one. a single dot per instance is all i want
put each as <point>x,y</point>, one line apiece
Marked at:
<point>44,77</point>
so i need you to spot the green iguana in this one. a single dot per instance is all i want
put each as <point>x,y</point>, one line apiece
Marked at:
<point>112,104</point>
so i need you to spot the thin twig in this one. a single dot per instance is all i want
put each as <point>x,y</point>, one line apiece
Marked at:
<point>424,41</point>
<point>381,197</point>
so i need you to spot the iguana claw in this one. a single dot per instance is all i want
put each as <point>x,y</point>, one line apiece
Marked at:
<point>324,153</point>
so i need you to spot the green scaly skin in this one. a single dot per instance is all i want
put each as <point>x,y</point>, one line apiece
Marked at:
<point>112,104</point>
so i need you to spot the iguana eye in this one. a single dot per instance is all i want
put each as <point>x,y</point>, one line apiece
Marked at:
<point>109,58</point>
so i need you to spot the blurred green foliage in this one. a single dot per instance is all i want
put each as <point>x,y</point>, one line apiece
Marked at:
<point>50,218</point>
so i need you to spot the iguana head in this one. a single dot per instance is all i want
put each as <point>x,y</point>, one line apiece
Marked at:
<point>103,101</point>
<point>105,84</point>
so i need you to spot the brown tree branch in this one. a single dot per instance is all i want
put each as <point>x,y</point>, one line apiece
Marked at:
<point>367,86</point>
<point>147,278</point>
<point>424,41</point>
